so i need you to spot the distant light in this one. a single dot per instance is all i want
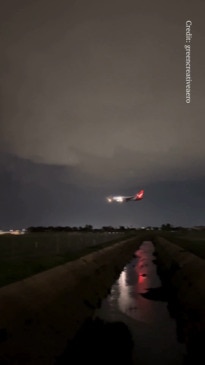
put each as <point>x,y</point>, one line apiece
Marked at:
<point>16,232</point>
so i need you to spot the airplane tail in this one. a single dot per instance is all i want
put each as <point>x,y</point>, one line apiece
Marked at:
<point>139,195</point>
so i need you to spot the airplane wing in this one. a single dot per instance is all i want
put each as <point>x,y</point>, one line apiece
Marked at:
<point>127,198</point>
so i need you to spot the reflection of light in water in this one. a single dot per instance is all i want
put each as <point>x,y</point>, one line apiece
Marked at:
<point>146,270</point>
<point>125,295</point>
<point>127,304</point>
<point>152,328</point>
<point>128,298</point>
<point>141,279</point>
<point>123,292</point>
<point>147,278</point>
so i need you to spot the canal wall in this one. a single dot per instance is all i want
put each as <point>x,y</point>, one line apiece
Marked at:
<point>183,275</point>
<point>40,314</point>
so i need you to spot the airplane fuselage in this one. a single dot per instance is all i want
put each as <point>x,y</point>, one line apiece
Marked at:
<point>121,199</point>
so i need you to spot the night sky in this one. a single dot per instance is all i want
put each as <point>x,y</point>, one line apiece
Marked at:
<point>93,104</point>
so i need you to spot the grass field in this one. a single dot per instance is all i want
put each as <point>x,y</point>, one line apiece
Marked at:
<point>192,241</point>
<point>25,255</point>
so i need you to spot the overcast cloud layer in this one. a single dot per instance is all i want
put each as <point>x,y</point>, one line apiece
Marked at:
<point>97,90</point>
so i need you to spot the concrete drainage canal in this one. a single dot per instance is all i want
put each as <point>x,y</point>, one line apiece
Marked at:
<point>133,324</point>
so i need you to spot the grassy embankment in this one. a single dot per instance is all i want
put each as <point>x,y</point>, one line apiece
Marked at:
<point>192,241</point>
<point>25,255</point>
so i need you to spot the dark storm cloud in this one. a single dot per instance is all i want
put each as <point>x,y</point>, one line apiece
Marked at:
<point>93,97</point>
<point>35,194</point>
<point>98,85</point>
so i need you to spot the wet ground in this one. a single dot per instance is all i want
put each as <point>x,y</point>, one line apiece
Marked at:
<point>132,326</point>
<point>136,308</point>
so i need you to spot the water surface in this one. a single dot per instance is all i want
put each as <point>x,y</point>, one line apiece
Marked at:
<point>152,328</point>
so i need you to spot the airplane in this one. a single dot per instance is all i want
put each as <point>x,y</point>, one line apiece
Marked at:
<point>121,199</point>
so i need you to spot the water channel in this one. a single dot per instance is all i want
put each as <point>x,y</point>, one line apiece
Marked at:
<point>153,331</point>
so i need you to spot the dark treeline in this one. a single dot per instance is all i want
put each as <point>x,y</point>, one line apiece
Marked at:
<point>86,228</point>
<point>89,228</point>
